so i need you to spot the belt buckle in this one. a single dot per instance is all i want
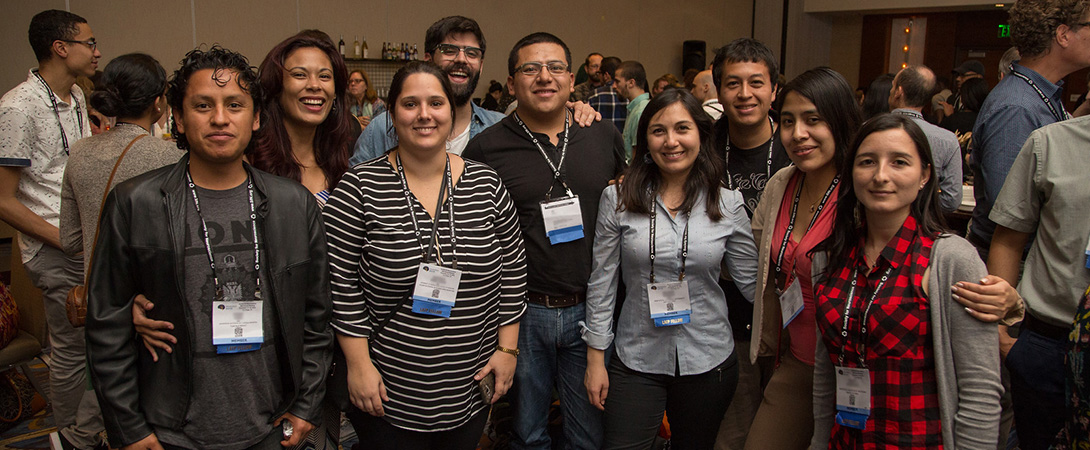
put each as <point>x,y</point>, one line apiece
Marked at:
<point>549,302</point>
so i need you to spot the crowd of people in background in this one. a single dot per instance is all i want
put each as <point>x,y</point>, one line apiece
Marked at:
<point>736,261</point>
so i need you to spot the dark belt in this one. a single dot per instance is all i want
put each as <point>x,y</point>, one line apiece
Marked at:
<point>556,301</point>
<point>1045,329</point>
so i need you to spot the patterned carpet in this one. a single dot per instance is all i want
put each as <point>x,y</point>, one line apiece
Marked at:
<point>32,433</point>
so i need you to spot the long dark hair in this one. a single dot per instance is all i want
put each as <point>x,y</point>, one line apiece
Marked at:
<point>876,99</point>
<point>849,226</point>
<point>835,102</point>
<point>129,86</point>
<point>332,141</point>
<point>642,178</point>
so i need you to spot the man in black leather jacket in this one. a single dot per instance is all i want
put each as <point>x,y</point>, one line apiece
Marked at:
<point>155,231</point>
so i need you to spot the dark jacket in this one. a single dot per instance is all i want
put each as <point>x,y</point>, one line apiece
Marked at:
<point>140,250</point>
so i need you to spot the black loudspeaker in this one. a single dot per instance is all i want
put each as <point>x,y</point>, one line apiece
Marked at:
<point>693,56</point>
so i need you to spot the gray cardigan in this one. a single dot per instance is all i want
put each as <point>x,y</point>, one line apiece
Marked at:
<point>966,357</point>
<point>89,166</point>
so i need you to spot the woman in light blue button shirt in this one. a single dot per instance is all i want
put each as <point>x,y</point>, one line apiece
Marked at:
<point>667,360</point>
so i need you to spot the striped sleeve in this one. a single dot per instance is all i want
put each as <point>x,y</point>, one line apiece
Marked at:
<point>345,234</point>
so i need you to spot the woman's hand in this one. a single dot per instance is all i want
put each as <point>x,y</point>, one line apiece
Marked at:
<point>150,330</point>
<point>596,378</point>
<point>503,365</point>
<point>365,388</point>
<point>151,442</point>
<point>989,301</point>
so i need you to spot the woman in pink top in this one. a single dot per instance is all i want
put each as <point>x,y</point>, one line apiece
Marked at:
<point>817,119</point>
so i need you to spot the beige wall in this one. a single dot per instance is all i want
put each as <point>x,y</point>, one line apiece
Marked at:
<point>648,31</point>
<point>826,6</point>
<point>847,37</point>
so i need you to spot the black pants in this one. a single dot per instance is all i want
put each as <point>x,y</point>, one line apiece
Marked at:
<point>378,434</point>
<point>695,405</point>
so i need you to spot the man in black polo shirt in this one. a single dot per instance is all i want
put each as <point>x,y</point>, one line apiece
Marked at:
<point>555,172</point>
<point>744,73</point>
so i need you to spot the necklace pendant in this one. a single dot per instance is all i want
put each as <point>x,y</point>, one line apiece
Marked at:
<point>812,207</point>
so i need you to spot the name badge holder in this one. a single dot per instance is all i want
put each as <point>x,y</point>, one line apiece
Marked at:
<point>436,288</point>
<point>669,301</point>
<point>853,383</point>
<point>563,217</point>
<point>237,326</point>
<point>791,302</point>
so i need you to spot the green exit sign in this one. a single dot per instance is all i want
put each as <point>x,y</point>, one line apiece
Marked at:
<point>1004,31</point>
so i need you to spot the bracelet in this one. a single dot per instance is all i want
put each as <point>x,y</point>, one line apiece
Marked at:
<point>510,351</point>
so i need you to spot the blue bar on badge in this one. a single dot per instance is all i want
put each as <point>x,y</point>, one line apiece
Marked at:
<point>420,298</point>
<point>236,348</point>
<point>562,235</point>
<point>238,341</point>
<point>671,320</point>
<point>851,420</point>
<point>430,308</point>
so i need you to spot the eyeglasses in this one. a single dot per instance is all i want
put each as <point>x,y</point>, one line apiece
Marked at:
<point>355,81</point>
<point>533,68</point>
<point>451,51</point>
<point>90,43</point>
<point>1081,24</point>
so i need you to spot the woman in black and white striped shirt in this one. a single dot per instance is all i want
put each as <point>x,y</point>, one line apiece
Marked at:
<point>416,379</point>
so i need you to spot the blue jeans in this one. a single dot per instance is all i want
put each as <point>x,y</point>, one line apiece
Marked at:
<point>1036,365</point>
<point>552,353</point>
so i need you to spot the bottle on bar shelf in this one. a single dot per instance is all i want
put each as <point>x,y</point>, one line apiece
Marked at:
<point>340,45</point>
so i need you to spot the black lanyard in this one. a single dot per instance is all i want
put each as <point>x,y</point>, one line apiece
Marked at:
<point>791,223</point>
<point>1061,115</point>
<point>768,168</point>
<point>563,152</point>
<point>684,242</point>
<point>861,346</point>
<point>57,112</point>
<point>447,185</point>
<point>208,242</point>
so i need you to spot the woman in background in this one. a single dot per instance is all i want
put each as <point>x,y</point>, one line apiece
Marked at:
<point>133,89</point>
<point>363,102</point>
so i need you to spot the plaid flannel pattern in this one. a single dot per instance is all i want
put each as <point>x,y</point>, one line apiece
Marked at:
<point>899,353</point>
<point>610,105</point>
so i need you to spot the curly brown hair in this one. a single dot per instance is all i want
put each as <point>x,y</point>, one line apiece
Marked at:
<point>1034,22</point>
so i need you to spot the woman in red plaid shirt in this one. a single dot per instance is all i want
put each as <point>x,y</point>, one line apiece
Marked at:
<point>910,369</point>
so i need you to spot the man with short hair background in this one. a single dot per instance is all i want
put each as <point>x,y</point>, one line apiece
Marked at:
<point>630,80</point>
<point>456,44</point>
<point>40,119</point>
<point>544,159</point>
<point>605,100</point>
<point>704,90</point>
<point>911,91</point>
<point>584,90</point>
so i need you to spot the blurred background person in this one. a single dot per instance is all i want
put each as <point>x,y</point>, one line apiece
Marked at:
<point>363,102</point>
<point>876,100</point>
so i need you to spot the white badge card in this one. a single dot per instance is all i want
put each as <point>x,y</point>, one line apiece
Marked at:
<point>237,324</point>
<point>563,219</point>
<point>669,303</point>
<point>852,397</point>
<point>791,302</point>
<point>436,290</point>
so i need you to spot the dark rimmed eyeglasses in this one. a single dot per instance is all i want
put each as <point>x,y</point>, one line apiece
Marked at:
<point>451,51</point>
<point>92,43</point>
<point>533,68</point>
